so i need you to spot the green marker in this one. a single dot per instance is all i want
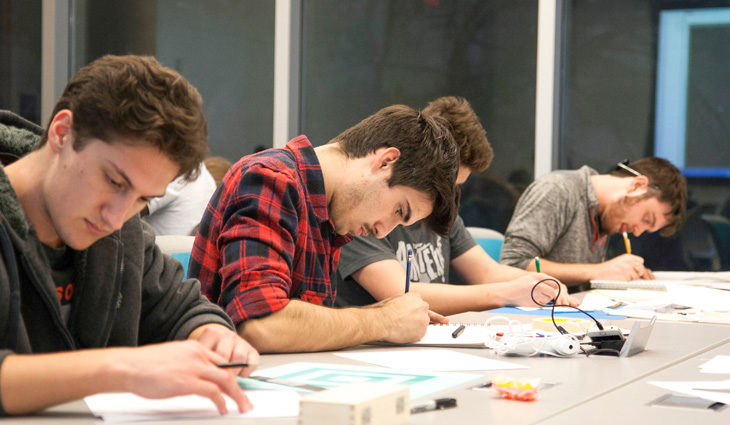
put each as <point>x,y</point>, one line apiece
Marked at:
<point>537,264</point>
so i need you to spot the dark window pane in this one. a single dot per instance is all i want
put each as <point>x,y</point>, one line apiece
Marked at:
<point>608,110</point>
<point>224,47</point>
<point>20,58</point>
<point>708,104</point>
<point>608,83</point>
<point>360,56</point>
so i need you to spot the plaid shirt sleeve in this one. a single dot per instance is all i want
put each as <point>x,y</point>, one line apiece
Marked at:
<point>244,249</point>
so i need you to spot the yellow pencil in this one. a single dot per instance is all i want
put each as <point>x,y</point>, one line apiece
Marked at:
<point>627,243</point>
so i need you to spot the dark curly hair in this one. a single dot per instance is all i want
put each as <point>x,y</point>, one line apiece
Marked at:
<point>475,152</point>
<point>429,159</point>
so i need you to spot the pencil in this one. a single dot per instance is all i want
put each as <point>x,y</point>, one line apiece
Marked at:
<point>627,243</point>
<point>537,264</point>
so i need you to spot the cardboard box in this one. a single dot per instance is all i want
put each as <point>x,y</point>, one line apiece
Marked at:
<point>367,403</point>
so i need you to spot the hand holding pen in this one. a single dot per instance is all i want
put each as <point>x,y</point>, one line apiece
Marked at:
<point>432,315</point>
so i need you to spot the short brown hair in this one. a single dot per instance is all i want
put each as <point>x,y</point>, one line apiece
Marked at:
<point>136,97</point>
<point>671,184</point>
<point>475,152</point>
<point>429,159</point>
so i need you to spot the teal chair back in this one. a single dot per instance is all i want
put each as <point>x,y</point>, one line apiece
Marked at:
<point>720,230</point>
<point>490,240</point>
<point>493,247</point>
<point>183,258</point>
<point>178,247</point>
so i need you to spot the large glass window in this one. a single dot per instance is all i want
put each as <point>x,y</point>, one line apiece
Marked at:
<point>692,120</point>
<point>608,83</point>
<point>358,57</point>
<point>614,103</point>
<point>224,47</point>
<point>20,58</point>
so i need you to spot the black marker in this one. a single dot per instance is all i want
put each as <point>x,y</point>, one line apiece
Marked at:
<point>239,364</point>
<point>438,404</point>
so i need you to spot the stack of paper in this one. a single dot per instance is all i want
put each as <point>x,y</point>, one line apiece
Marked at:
<point>685,277</point>
<point>681,303</point>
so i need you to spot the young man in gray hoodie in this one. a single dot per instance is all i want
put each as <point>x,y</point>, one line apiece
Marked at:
<point>80,272</point>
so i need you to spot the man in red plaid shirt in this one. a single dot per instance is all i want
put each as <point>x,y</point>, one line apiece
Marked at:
<point>271,234</point>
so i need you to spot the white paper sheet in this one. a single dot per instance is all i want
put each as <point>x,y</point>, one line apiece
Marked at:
<point>127,407</point>
<point>442,336</point>
<point>704,299</point>
<point>694,388</point>
<point>630,296</point>
<point>428,360</point>
<point>719,364</point>
<point>680,303</point>
<point>597,300</point>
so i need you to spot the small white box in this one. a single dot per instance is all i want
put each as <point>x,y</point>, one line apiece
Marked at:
<point>367,403</point>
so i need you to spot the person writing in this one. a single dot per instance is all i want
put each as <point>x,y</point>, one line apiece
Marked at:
<point>89,304</point>
<point>271,235</point>
<point>565,217</point>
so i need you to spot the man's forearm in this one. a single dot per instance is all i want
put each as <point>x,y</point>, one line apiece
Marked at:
<point>446,299</point>
<point>475,266</point>
<point>33,382</point>
<point>503,273</point>
<point>304,327</point>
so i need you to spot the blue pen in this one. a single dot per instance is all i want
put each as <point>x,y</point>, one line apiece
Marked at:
<point>408,269</point>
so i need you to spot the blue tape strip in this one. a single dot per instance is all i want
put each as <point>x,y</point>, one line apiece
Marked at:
<point>541,312</point>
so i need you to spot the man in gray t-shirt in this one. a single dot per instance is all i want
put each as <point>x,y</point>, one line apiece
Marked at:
<point>564,218</point>
<point>373,269</point>
<point>570,236</point>
<point>432,255</point>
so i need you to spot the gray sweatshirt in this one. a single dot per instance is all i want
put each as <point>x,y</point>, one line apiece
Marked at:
<point>556,219</point>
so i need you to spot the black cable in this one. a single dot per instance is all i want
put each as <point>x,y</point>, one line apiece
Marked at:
<point>560,328</point>
<point>555,304</point>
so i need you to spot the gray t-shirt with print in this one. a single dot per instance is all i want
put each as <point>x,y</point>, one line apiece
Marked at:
<point>431,257</point>
<point>556,219</point>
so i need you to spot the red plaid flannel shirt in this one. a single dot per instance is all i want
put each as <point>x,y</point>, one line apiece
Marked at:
<point>265,236</point>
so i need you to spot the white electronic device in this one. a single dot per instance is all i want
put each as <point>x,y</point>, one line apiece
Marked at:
<point>558,345</point>
<point>366,403</point>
